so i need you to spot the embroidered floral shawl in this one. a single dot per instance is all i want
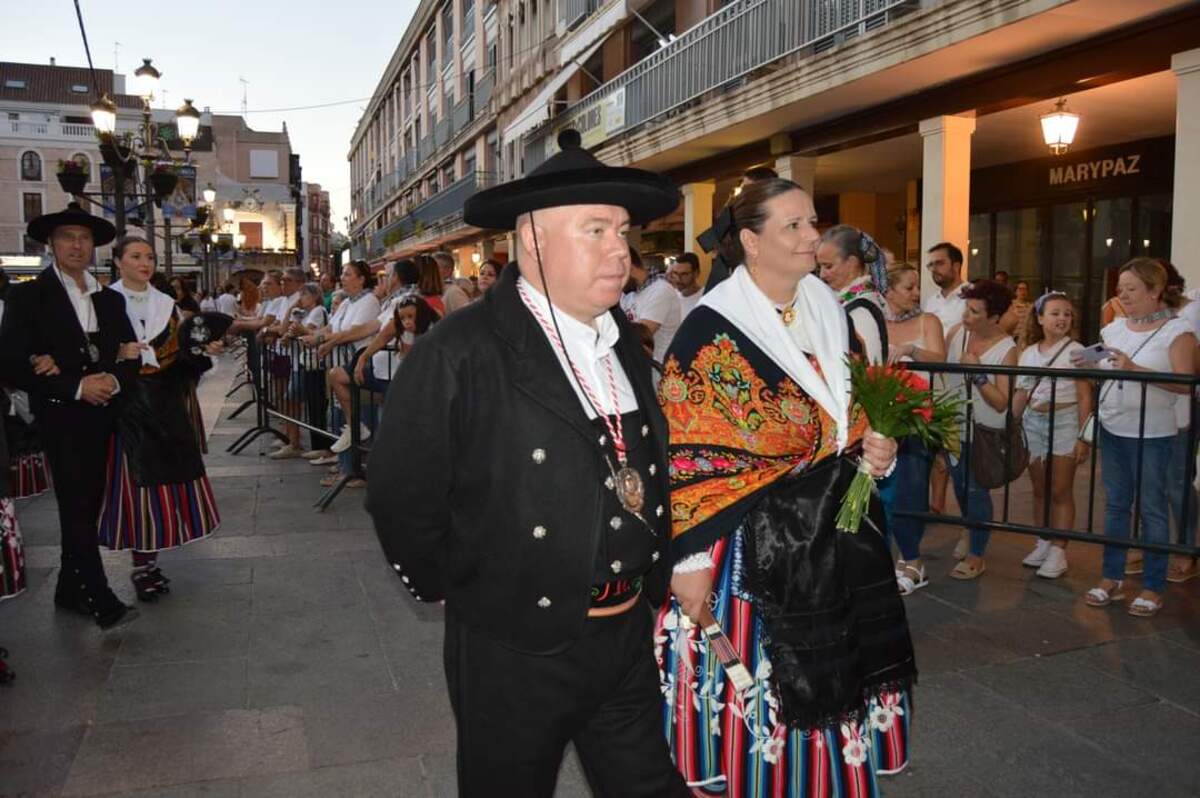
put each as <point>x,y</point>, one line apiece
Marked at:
<point>737,424</point>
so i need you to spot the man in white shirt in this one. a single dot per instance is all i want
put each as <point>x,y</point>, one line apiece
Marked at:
<point>684,275</point>
<point>524,481</point>
<point>655,306</point>
<point>945,267</point>
<point>227,302</point>
<point>453,297</point>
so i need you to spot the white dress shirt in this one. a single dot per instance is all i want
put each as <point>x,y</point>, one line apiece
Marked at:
<point>948,309</point>
<point>590,345</point>
<point>85,311</point>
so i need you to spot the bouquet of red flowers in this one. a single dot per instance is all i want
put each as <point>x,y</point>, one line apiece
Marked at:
<point>898,403</point>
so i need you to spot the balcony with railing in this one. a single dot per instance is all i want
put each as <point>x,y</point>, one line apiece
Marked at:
<point>441,211</point>
<point>744,36</point>
<point>572,12</point>
<point>49,130</point>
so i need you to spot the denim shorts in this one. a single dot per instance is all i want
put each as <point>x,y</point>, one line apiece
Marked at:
<point>1037,432</point>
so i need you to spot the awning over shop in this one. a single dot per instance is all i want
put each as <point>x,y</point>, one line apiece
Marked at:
<point>538,110</point>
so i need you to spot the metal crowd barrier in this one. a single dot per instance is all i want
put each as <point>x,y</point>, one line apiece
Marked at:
<point>290,387</point>
<point>1098,378</point>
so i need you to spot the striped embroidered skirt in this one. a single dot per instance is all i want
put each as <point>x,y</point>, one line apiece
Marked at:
<point>30,475</point>
<point>12,556</point>
<point>728,745</point>
<point>153,517</point>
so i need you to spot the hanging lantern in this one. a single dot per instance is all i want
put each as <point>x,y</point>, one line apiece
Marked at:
<point>1059,127</point>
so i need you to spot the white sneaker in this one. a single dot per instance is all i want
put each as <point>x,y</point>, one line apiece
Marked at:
<point>327,460</point>
<point>343,441</point>
<point>1038,555</point>
<point>316,454</point>
<point>286,452</point>
<point>1055,564</point>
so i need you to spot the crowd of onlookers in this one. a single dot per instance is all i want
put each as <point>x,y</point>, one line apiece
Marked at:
<point>324,340</point>
<point>1153,326</point>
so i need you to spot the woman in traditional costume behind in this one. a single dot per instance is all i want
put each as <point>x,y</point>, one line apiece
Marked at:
<point>12,556</point>
<point>764,441</point>
<point>29,471</point>
<point>157,496</point>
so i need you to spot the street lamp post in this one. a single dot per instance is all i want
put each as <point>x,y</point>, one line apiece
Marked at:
<point>148,148</point>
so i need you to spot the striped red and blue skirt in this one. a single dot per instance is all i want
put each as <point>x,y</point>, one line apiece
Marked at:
<point>153,517</point>
<point>12,553</point>
<point>734,745</point>
<point>30,475</point>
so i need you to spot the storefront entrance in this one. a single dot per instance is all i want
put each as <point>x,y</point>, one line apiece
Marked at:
<point>1069,223</point>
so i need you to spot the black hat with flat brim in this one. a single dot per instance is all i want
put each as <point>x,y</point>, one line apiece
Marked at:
<point>41,228</point>
<point>573,176</point>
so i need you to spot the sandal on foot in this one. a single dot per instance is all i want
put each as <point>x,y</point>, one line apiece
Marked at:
<point>1099,597</point>
<point>1178,574</point>
<point>965,570</point>
<point>911,580</point>
<point>961,548</point>
<point>1134,567</point>
<point>1144,607</point>
<point>329,480</point>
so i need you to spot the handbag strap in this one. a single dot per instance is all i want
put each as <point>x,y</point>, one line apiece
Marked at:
<point>1150,338</point>
<point>1049,363</point>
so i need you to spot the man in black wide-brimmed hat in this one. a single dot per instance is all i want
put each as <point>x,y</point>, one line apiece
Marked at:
<point>59,341</point>
<point>520,474</point>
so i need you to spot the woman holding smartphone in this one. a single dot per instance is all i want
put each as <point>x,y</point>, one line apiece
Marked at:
<point>1137,427</point>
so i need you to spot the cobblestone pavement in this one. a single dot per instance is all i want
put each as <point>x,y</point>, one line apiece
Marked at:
<point>288,661</point>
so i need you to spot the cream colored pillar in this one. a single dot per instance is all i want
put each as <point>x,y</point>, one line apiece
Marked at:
<point>799,169</point>
<point>946,186</point>
<point>697,217</point>
<point>1185,234</point>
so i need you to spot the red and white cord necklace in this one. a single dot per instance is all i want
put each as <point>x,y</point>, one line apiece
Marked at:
<point>628,483</point>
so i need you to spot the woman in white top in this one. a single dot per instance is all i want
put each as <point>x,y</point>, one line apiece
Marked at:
<point>978,340</point>
<point>1152,339</point>
<point>350,329</point>
<point>1048,332</point>
<point>853,265</point>
<point>912,335</point>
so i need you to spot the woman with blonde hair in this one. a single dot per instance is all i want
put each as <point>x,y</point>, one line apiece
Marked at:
<point>912,336</point>
<point>1136,428</point>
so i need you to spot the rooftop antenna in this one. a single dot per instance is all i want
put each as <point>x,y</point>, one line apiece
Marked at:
<point>244,83</point>
<point>116,47</point>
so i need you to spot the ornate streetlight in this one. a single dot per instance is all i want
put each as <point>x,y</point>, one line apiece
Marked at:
<point>1059,127</point>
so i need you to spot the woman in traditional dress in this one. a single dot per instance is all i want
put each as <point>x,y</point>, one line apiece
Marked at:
<point>158,496</point>
<point>764,440</point>
<point>12,557</point>
<point>853,265</point>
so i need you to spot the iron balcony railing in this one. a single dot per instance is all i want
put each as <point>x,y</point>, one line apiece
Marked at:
<point>740,38</point>
<point>442,206</point>
<point>572,12</point>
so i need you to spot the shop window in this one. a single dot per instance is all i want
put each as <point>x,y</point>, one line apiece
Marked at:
<point>1068,250</point>
<point>979,246</point>
<point>1153,235</point>
<point>31,166</point>
<point>1019,237</point>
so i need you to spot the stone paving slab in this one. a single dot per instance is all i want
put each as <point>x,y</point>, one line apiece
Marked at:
<point>289,661</point>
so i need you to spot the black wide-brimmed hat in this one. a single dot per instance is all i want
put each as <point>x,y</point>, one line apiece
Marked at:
<point>573,176</point>
<point>41,228</point>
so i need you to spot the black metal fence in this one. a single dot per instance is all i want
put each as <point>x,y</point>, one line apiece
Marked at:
<point>1100,382</point>
<point>290,386</point>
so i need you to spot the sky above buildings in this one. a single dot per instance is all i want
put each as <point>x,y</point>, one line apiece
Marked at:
<point>292,53</point>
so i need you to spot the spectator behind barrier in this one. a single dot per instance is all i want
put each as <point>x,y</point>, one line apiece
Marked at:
<point>1151,338</point>
<point>978,340</point>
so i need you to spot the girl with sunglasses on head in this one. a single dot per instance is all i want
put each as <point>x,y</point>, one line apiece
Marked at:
<point>1054,447</point>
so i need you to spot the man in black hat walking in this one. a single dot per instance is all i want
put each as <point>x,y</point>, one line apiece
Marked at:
<point>531,494</point>
<point>60,342</point>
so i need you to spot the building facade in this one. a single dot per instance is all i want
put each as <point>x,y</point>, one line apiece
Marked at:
<point>315,231</point>
<point>916,120</point>
<point>47,120</point>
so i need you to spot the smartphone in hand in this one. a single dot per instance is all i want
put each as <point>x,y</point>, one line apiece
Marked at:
<point>1092,354</point>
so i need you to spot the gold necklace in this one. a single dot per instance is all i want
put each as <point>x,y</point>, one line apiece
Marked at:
<point>787,314</point>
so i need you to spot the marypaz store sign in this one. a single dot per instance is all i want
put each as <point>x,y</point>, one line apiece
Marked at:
<point>1136,167</point>
<point>1100,169</point>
